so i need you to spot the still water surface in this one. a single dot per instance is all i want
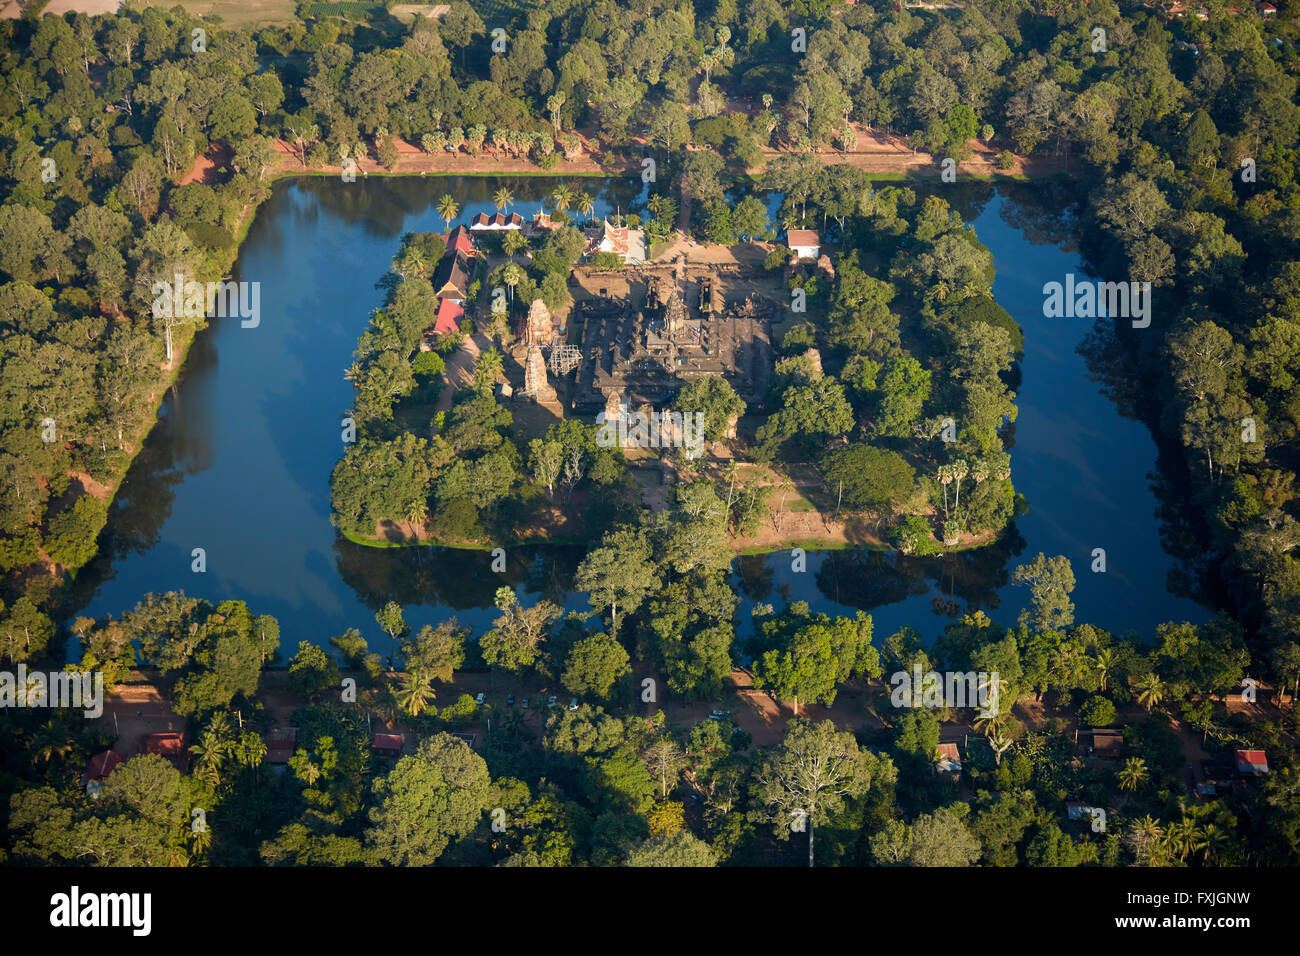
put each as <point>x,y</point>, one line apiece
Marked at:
<point>239,464</point>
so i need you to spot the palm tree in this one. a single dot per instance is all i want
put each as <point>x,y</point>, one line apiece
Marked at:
<point>213,748</point>
<point>250,750</point>
<point>944,474</point>
<point>416,692</point>
<point>989,724</point>
<point>1150,691</point>
<point>504,199</point>
<point>200,839</point>
<point>487,371</point>
<point>411,261</point>
<point>417,512</point>
<point>561,197</point>
<point>584,204</point>
<point>1104,661</point>
<point>1215,839</point>
<point>310,773</point>
<point>1146,837</point>
<point>512,275</point>
<point>513,241</point>
<point>448,208</point>
<point>960,469</point>
<point>1000,741</point>
<point>1133,774</point>
<point>992,686</point>
<point>707,63</point>
<point>1184,838</point>
<point>50,741</point>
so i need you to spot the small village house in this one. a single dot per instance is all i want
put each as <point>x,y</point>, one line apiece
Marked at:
<point>805,243</point>
<point>388,745</point>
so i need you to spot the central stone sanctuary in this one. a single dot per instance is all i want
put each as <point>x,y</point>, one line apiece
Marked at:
<point>646,333</point>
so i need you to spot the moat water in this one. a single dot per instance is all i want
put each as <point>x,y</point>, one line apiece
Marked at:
<point>239,463</point>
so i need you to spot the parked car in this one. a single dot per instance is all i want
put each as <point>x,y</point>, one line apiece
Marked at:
<point>510,700</point>
<point>524,703</point>
<point>719,714</point>
<point>573,704</point>
<point>550,701</point>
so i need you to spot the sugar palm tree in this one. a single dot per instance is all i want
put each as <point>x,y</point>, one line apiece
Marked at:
<point>584,204</point>
<point>944,474</point>
<point>960,469</point>
<point>1133,774</point>
<point>504,199</point>
<point>448,208</point>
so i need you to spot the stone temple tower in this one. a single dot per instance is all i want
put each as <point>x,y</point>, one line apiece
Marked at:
<point>674,317</point>
<point>536,385</point>
<point>538,327</point>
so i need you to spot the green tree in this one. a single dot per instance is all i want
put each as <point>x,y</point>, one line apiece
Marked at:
<point>426,801</point>
<point>809,776</point>
<point>867,477</point>
<point>618,574</point>
<point>1050,581</point>
<point>594,665</point>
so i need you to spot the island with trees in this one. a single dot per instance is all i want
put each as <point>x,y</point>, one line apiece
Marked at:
<point>138,145</point>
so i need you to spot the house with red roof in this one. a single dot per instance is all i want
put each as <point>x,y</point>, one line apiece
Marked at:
<point>461,241</point>
<point>100,766</point>
<point>1251,763</point>
<point>450,313</point>
<point>280,744</point>
<point>169,745</point>
<point>388,745</point>
<point>947,759</point>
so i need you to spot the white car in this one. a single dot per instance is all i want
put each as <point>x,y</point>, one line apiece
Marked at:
<point>550,701</point>
<point>573,704</point>
<point>719,714</point>
<point>479,698</point>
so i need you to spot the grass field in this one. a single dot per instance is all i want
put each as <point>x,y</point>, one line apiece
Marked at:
<point>236,13</point>
<point>349,9</point>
